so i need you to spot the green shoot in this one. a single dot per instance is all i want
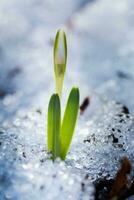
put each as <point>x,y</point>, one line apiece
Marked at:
<point>54,120</point>
<point>69,121</point>
<point>60,134</point>
<point>60,60</point>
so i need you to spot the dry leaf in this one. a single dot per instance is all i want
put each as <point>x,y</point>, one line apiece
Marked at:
<point>121,183</point>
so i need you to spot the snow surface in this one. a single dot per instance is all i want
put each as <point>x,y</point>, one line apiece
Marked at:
<point>100,61</point>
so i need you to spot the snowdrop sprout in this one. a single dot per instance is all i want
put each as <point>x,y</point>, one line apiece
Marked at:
<point>60,131</point>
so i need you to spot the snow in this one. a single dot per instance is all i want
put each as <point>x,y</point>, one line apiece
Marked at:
<point>100,61</point>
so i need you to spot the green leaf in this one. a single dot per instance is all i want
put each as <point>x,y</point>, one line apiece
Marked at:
<point>53,126</point>
<point>69,122</point>
<point>60,59</point>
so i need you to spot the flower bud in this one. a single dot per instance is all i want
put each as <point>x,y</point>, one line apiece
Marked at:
<point>60,59</point>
